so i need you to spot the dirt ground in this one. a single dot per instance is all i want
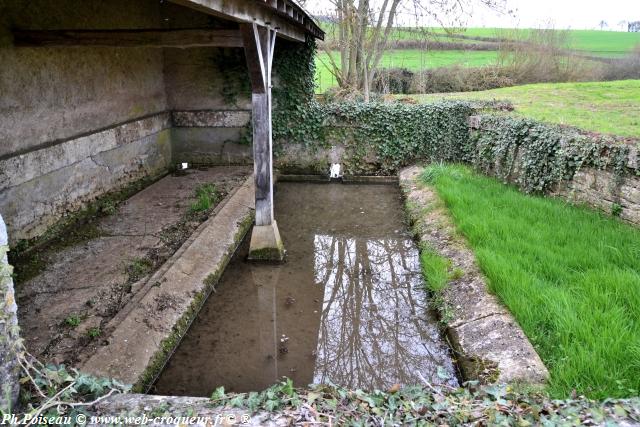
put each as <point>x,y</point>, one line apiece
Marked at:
<point>64,309</point>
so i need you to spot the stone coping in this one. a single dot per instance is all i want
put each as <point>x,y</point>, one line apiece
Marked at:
<point>489,344</point>
<point>193,411</point>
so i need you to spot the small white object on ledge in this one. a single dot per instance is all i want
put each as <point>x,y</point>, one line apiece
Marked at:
<point>335,171</point>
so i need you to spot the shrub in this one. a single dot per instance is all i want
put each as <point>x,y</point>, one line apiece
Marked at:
<point>625,68</point>
<point>393,80</point>
<point>460,79</point>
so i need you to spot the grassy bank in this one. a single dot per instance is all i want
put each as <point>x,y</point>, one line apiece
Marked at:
<point>605,107</point>
<point>570,276</point>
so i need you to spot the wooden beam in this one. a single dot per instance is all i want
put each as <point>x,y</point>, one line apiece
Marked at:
<point>249,11</point>
<point>129,38</point>
<point>255,59</point>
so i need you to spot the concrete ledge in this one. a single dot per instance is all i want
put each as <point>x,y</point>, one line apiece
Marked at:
<point>370,179</point>
<point>352,179</point>
<point>490,346</point>
<point>143,339</point>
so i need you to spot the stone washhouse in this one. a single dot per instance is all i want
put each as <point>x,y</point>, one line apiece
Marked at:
<point>98,94</point>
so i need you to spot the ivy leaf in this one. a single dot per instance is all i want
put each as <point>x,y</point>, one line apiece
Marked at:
<point>218,393</point>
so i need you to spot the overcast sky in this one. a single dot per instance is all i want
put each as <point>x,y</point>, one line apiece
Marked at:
<point>560,14</point>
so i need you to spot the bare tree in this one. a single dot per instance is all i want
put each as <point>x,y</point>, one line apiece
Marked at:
<point>364,26</point>
<point>603,24</point>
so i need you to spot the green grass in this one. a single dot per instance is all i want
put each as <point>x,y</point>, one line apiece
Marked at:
<point>604,107</point>
<point>207,195</point>
<point>570,276</point>
<point>138,268</point>
<point>435,269</point>
<point>73,320</point>
<point>94,332</point>
<point>413,59</point>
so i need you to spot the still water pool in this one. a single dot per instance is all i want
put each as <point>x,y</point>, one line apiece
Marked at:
<point>348,306</point>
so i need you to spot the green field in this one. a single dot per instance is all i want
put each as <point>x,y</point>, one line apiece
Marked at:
<point>412,59</point>
<point>569,275</point>
<point>589,41</point>
<point>605,107</point>
<point>586,42</point>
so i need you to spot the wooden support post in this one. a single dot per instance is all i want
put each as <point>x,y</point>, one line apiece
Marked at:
<point>266,243</point>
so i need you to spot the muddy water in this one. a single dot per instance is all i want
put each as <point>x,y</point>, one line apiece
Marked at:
<point>348,306</point>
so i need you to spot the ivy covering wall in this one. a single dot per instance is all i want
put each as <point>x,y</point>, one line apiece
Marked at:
<point>376,138</point>
<point>536,156</point>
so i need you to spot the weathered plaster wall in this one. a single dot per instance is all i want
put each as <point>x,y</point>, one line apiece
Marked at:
<point>209,93</point>
<point>207,78</point>
<point>77,122</point>
<point>50,94</point>
<point>211,137</point>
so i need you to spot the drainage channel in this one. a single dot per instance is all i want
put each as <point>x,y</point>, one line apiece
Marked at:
<point>348,306</point>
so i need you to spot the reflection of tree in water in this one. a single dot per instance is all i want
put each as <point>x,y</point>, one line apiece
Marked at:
<point>375,330</point>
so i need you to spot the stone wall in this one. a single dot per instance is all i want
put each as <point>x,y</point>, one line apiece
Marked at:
<point>598,171</point>
<point>593,187</point>
<point>9,332</point>
<point>77,122</point>
<point>39,187</point>
<point>218,137</point>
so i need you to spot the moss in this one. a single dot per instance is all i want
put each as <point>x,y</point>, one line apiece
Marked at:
<point>477,369</point>
<point>136,111</point>
<point>31,263</point>
<point>169,344</point>
<point>268,254</point>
